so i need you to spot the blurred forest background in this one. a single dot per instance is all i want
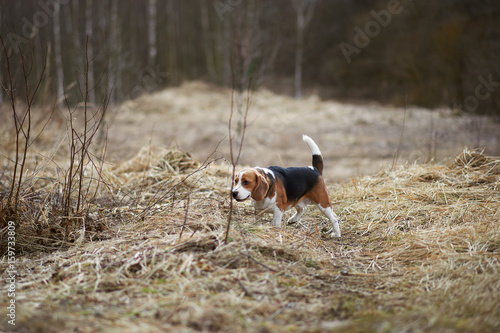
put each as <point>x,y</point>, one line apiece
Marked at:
<point>422,52</point>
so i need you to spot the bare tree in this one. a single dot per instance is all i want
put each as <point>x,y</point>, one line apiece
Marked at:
<point>171,39</point>
<point>305,10</point>
<point>208,43</point>
<point>57,52</point>
<point>152,31</point>
<point>115,85</point>
<point>89,31</point>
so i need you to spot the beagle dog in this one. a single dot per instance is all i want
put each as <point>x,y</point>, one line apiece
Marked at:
<point>276,189</point>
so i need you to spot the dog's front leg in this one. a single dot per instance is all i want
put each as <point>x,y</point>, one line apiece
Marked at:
<point>277,216</point>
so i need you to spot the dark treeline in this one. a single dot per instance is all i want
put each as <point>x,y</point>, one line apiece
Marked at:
<point>422,52</point>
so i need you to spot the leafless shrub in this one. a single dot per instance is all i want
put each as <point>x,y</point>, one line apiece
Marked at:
<point>80,154</point>
<point>45,214</point>
<point>22,128</point>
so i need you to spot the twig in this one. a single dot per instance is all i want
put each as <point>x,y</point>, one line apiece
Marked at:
<point>258,262</point>
<point>346,273</point>
<point>245,290</point>
<point>185,216</point>
<point>396,153</point>
<point>234,161</point>
<point>85,144</point>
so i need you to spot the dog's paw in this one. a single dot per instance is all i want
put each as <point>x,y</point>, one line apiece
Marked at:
<point>276,223</point>
<point>333,234</point>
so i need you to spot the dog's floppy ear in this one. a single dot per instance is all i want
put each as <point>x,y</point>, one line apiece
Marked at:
<point>261,188</point>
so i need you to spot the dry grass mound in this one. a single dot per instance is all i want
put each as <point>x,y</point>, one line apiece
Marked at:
<point>420,252</point>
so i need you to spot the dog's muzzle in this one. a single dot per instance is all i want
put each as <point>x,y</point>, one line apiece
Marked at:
<point>236,194</point>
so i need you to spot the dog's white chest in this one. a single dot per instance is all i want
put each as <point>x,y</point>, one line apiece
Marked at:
<point>267,203</point>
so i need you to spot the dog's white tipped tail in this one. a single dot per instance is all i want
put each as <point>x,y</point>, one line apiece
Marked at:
<point>313,147</point>
<point>317,159</point>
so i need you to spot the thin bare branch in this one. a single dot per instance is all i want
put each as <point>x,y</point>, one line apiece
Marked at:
<point>234,161</point>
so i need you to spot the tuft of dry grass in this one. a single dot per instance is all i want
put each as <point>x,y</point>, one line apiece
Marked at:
<point>420,252</point>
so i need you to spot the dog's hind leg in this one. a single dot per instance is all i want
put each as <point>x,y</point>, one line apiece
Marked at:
<point>328,211</point>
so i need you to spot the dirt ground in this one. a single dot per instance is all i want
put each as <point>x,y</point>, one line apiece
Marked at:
<point>354,139</point>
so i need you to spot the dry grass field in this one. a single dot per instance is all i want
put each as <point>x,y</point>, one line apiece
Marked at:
<point>420,245</point>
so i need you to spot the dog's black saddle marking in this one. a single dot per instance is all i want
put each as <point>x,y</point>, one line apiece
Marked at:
<point>296,180</point>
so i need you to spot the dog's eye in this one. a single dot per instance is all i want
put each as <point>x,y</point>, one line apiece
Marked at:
<point>246,182</point>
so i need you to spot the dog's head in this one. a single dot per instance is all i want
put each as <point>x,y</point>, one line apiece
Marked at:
<point>250,183</point>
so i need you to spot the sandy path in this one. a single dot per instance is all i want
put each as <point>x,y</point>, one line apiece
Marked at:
<point>355,139</point>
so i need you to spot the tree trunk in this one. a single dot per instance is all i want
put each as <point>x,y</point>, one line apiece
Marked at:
<point>297,87</point>
<point>172,45</point>
<point>208,43</point>
<point>115,78</point>
<point>152,32</point>
<point>226,52</point>
<point>305,10</point>
<point>57,53</point>
<point>88,31</point>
